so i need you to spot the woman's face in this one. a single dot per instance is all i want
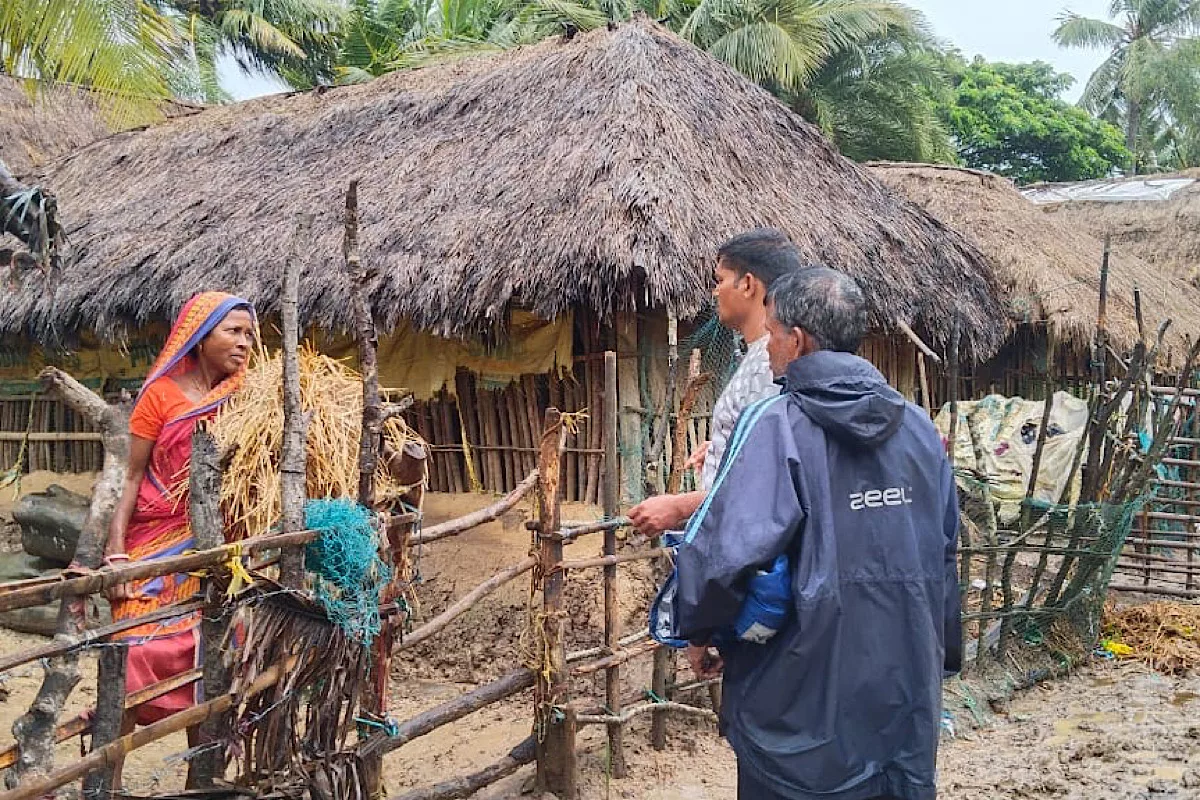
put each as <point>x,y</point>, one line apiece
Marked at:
<point>227,346</point>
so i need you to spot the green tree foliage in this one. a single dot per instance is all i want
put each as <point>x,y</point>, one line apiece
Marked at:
<point>1010,119</point>
<point>1148,84</point>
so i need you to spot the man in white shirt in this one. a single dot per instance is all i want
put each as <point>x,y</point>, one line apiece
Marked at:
<point>747,266</point>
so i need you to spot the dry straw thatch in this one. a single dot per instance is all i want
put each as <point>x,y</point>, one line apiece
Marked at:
<point>1164,635</point>
<point>603,170</point>
<point>251,426</point>
<point>35,131</point>
<point>1164,234</point>
<point>1051,270</point>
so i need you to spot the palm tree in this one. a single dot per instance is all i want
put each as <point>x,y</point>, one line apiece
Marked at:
<point>119,50</point>
<point>295,39</point>
<point>782,44</point>
<point>878,99</point>
<point>1152,52</point>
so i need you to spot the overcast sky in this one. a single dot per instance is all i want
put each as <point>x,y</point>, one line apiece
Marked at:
<point>999,30</point>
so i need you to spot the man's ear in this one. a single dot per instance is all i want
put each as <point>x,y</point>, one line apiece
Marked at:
<point>807,343</point>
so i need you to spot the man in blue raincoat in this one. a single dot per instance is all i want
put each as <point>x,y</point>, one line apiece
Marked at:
<point>852,484</point>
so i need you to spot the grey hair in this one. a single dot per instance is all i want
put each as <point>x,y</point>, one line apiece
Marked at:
<point>826,304</point>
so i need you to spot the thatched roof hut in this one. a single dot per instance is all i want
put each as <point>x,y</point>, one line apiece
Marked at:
<point>1051,270</point>
<point>1163,233</point>
<point>600,172</point>
<point>59,121</point>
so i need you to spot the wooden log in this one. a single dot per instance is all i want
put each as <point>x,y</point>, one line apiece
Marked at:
<point>612,606</point>
<point>50,436</point>
<point>34,731</point>
<point>82,723</point>
<point>110,713</point>
<point>449,711</point>
<point>613,560</point>
<point>208,766</point>
<point>112,753</point>
<point>619,657</point>
<point>466,602</point>
<point>468,411</point>
<point>487,399</point>
<point>658,708</point>
<point>293,461</point>
<point>372,701</point>
<point>61,646</point>
<point>102,579</point>
<point>476,518</point>
<point>663,674</point>
<point>556,754</point>
<point>467,785</point>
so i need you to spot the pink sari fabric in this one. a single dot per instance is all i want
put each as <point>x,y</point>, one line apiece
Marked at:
<point>160,527</point>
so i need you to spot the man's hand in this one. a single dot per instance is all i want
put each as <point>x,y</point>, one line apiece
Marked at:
<point>705,661</point>
<point>657,514</point>
<point>696,459</point>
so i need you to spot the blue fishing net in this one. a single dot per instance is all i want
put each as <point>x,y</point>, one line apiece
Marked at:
<point>350,575</point>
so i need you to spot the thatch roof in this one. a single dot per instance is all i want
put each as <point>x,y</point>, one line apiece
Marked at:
<point>1165,233</point>
<point>604,171</point>
<point>61,120</point>
<point>1052,271</point>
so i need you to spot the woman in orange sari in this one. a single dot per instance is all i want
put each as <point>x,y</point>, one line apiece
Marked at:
<point>200,367</point>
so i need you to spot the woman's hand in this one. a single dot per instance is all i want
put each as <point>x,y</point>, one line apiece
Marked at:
<point>705,662</point>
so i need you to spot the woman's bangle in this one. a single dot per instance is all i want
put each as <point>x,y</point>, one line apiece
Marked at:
<point>115,557</point>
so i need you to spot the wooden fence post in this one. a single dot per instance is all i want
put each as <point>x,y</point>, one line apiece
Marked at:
<point>208,529</point>
<point>612,607</point>
<point>293,459</point>
<point>110,711</point>
<point>556,734</point>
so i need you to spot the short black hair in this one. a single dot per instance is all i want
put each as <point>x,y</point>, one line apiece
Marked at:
<point>765,253</point>
<point>826,304</point>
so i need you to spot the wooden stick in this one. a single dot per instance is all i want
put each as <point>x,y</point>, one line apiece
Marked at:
<point>657,708</point>
<point>663,673</point>
<point>619,657</point>
<point>612,606</point>
<point>610,561</point>
<point>34,730</point>
<point>449,711</point>
<point>293,459</point>
<point>467,785</point>
<point>208,766</point>
<point>916,340</point>
<point>102,579</point>
<point>476,518</point>
<point>93,636</point>
<point>556,753</point>
<point>82,723</point>
<point>111,753</point>
<point>465,603</point>
<point>110,713</point>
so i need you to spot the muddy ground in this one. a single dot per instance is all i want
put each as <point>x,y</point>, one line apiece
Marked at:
<point>1110,731</point>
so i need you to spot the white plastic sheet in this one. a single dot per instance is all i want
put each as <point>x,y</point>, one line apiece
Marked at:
<point>1115,191</point>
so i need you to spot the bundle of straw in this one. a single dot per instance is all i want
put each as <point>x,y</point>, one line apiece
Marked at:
<point>250,426</point>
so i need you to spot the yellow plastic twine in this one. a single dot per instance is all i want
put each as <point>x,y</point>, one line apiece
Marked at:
<point>239,578</point>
